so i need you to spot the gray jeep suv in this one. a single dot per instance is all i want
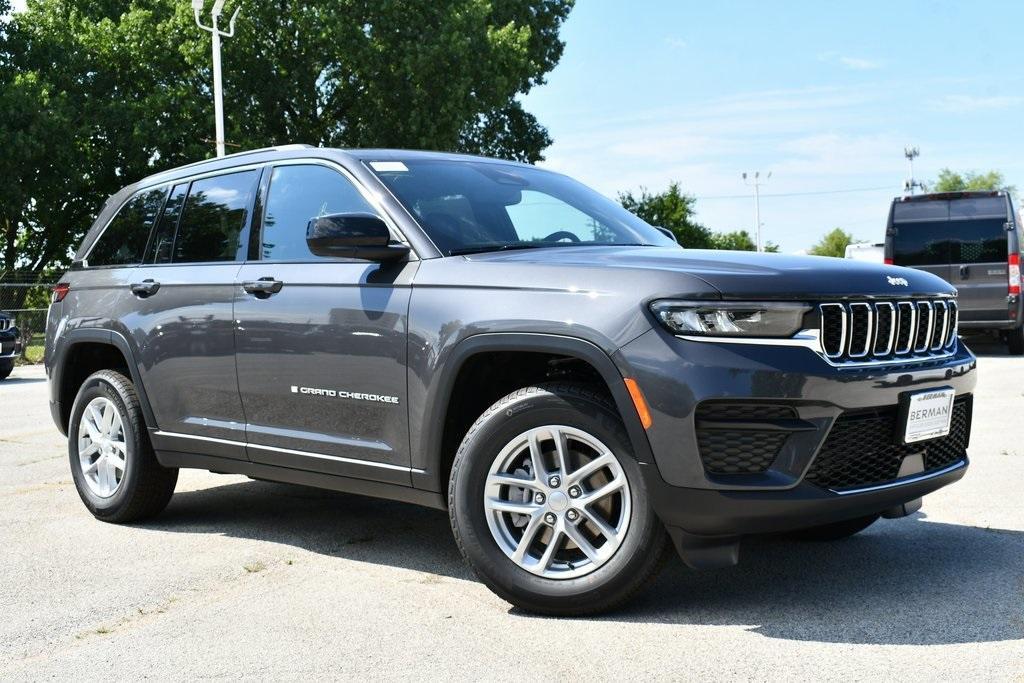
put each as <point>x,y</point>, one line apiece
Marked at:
<point>502,342</point>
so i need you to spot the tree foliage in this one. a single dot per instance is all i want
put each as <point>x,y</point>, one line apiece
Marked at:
<point>739,240</point>
<point>952,181</point>
<point>672,209</point>
<point>833,243</point>
<point>95,95</point>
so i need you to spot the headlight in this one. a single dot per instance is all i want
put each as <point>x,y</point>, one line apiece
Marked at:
<point>731,318</point>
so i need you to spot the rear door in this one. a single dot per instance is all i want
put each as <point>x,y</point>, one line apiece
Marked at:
<point>979,256</point>
<point>922,237</point>
<point>321,351</point>
<point>182,317</point>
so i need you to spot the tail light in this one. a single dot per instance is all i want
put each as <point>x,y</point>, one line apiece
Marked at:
<point>1013,268</point>
<point>888,261</point>
<point>60,290</point>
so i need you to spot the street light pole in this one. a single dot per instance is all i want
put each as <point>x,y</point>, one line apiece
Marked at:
<point>217,34</point>
<point>757,182</point>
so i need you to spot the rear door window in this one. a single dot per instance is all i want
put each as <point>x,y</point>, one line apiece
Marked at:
<point>981,240</point>
<point>124,240</point>
<point>213,224</point>
<point>167,226</point>
<point>923,243</point>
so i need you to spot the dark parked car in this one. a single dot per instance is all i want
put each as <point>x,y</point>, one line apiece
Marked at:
<point>10,344</point>
<point>971,240</point>
<point>499,341</point>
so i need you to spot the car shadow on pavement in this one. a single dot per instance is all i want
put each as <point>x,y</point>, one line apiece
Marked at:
<point>21,380</point>
<point>901,582</point>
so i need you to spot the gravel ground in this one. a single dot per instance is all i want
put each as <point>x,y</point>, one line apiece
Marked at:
<point>264,581</point>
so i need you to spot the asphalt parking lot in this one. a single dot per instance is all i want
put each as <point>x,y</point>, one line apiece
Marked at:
<point>263,581</point>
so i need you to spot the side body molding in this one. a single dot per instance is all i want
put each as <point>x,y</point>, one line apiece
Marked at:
<point>427,444</point>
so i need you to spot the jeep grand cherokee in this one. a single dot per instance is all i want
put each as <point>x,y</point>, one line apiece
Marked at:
<point>502,342</point>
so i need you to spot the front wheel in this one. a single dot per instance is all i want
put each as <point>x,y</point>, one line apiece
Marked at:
<point>6,368</point>
<point>548,504</point>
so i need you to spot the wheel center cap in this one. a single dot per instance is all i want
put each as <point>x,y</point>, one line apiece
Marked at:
<point>558,501</point>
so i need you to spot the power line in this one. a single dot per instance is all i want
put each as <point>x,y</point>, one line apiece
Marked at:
<point>797,194</point>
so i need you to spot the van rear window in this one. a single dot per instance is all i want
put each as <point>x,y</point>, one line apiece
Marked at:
<point>925,243</point>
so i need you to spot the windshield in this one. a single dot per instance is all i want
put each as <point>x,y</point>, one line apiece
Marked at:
<point>471,206</point>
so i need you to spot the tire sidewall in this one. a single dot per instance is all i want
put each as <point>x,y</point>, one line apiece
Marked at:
<point>96,387</point>
<point>491,434</point>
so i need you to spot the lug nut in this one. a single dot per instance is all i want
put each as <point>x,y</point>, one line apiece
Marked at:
<point>538,498</point>
<point>572,515</point>
<point>575,492</point>
<point>549,518</point>
<point>554,482</point>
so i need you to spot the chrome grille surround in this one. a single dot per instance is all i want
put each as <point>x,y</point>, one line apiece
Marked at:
<point>5,324</point>
<point>919,329</point>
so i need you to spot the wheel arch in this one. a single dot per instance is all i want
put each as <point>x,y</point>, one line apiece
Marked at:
<point>66,376</point>
<point>438,402</point>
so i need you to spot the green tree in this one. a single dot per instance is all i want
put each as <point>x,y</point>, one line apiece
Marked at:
<point>672,209</point>
<point>951,181</point>
<point>106,92</point>
<point>833,244</point>
<point>739,240</point>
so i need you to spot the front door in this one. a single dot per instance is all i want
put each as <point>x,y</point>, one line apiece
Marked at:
<point>321,343</point>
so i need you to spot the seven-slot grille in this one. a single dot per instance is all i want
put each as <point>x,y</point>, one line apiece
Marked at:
<point>863,331</point>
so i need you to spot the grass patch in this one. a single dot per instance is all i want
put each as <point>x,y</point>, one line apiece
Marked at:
<point>33,355</point>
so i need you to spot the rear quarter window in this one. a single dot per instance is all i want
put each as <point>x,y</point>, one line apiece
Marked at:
<point>124,239</point>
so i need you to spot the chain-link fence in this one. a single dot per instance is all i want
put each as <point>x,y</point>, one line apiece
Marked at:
<point>26,299</point>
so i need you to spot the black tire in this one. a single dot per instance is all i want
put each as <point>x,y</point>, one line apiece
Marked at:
<point>836,531</point>
<point>6,368</point>
<point>632,566</point>
<point>1015,341</point>
<point>145,487</point>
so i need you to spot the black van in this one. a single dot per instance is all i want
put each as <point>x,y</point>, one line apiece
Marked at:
<point>972,240</point>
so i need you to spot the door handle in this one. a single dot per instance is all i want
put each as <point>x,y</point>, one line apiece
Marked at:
<point>965,272</point>
<point>263,287</point>
<point>145,288</point>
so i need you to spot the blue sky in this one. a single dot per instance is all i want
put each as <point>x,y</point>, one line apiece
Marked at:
<point>823,95</point>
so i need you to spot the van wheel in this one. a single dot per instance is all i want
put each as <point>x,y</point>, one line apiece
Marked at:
<point>1015,341</point>
<point>548,504</point>
<point>112,462</point>
<point>836,531</point>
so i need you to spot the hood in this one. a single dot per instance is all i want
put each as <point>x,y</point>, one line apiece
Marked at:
<point>745,274</point>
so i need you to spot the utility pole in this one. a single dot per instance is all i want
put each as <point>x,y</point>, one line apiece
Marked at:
<point>756,182</point>
<point>217,34</point>
<point>909,184</point>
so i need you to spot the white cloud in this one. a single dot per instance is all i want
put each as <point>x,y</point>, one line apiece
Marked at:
<point>677,43</point>
<point>970,103</point>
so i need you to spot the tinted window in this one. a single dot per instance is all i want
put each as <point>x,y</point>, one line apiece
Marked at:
<point>470,206</point>
<point>298,194</point>
<point>124,240</point>
<point>215,216</point>
<point>163,237</point>
<point>942,242</point>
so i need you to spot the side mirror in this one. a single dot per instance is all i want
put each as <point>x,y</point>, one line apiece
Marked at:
<point>353,235</point>
<point>667,233</point>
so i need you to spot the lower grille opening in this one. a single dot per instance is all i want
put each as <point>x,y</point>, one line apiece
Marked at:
<point>733,444</point>
<point>863,448</point>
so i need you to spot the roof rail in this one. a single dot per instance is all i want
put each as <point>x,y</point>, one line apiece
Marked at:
<point>277,148</point>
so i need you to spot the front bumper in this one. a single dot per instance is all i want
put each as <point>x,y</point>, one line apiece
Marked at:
<point>678,375</point>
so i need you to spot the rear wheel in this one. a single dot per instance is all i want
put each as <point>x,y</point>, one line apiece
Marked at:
<point>548,505</point>
<point>1015,341</point>
<point>836,531</point>
<point>112,462</point>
